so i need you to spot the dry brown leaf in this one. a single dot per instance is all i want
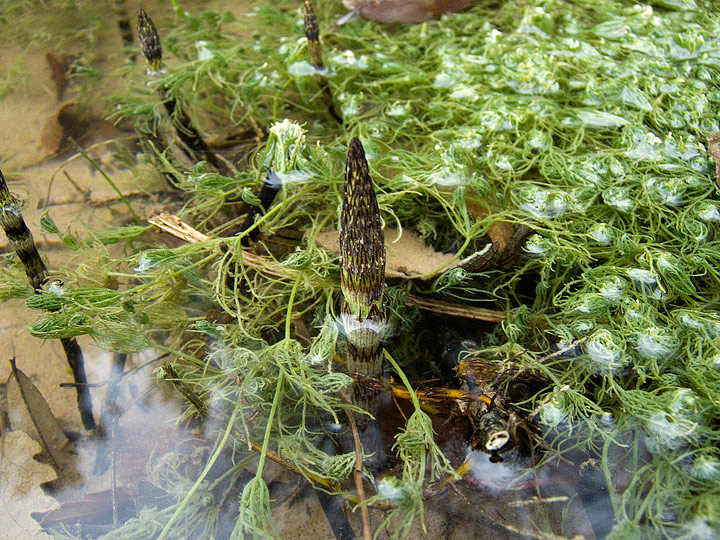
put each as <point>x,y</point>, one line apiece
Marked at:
<point>414,11</point>
<point>28,411</point>
<point>20,491</point>
<point>407,257</point>
<point>499,232</point>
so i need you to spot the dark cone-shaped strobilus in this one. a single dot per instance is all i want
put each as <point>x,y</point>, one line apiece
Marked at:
<point>362,266</point>
<point>149,41</point>
<point>312,33</point>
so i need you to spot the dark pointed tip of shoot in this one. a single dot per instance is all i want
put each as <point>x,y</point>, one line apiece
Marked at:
<point>356,148</point>
<point>309,10</point>
<point>149,40</point>
<point>4,191</point>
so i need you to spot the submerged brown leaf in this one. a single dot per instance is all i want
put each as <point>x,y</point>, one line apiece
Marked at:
<point>20,491</point>
<point>69,121</point>
<point>413,11</point>
<point>94,509</point>
<point>59,69</point>
<point>29,412</point>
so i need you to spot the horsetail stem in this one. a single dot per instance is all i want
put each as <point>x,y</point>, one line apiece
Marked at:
<point>20,238</point>
<point>268,190</point>
<point>184,389</point>
<point>21,241</point>
<point>150,45</point>
<point>362,266</point>
<point>312,34</point>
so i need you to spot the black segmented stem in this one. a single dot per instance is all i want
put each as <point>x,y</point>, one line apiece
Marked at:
<point>268,190</point>
<point>185,390</point>
<point>21,240</point>
<point>76,361</point>
<point>120,8</point>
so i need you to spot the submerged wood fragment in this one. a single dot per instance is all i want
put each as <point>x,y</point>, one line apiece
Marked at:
<point>496,254</point>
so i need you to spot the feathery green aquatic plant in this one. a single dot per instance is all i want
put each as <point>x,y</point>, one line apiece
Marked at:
<point>584,121</point>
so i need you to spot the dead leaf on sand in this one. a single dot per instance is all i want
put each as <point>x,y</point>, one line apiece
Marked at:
<point>407,257</point>
<point>28,411</point>
<point>20,491</point>
<point>413,11</point>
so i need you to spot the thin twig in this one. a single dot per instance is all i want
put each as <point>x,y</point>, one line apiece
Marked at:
<point>455,310</point>
<point>357,475</point>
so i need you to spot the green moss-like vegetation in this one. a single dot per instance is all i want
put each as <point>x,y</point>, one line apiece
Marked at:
<point>584,120</point>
